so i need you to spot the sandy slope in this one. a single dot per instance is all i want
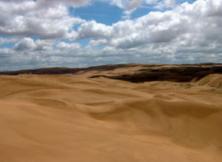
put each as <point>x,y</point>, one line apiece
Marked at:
<point>66,119</point>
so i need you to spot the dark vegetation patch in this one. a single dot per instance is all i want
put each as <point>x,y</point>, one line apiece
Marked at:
<point>177,73</point>
<point>63,70</point>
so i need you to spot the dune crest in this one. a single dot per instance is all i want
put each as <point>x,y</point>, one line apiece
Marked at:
<point>213,80</point>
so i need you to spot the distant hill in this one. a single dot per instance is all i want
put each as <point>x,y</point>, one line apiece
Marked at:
<point>63,70</point>
<point>136,72</point>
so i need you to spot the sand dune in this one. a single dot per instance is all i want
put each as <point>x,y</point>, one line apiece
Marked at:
<point>66,118</point>
<point>213,80</point>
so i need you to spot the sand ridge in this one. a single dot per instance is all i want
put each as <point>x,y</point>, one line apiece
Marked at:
<point>66,118</point>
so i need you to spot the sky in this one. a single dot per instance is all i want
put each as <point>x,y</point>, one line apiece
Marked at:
<point>82,33</point>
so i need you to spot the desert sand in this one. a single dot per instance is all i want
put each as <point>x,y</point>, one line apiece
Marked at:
<point>83,118</point>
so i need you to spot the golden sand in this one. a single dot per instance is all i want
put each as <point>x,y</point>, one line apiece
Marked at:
<point>67,118</point>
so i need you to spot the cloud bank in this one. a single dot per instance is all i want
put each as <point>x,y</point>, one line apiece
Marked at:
<point>43,33</point>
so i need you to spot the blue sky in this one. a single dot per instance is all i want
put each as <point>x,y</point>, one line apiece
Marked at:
<point>99,11</point>
<point>77,33</point>
<point>107,13</point>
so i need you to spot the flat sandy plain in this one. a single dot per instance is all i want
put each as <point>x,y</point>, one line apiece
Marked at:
<point>86,117</point>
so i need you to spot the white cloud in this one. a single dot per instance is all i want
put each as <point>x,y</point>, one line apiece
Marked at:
<point>151,2</point>
<point>98,42</point>
<point>28,44</point>
<point>25,44</point>
<point>184,33</point>
<point>26,19</point>
<point>128,5</point>
<point>195,23</point>
<point>92,29</point>
<point>68,46</point>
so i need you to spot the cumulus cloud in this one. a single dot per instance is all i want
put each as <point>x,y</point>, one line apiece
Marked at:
<point>92,29</point>
<point>181,33</point>
<point>28,44</point>
<point>194,23</point>
<point>26,19</point>
<point>25,44</point>
<point>128,5</point>
<point>67,46</point>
